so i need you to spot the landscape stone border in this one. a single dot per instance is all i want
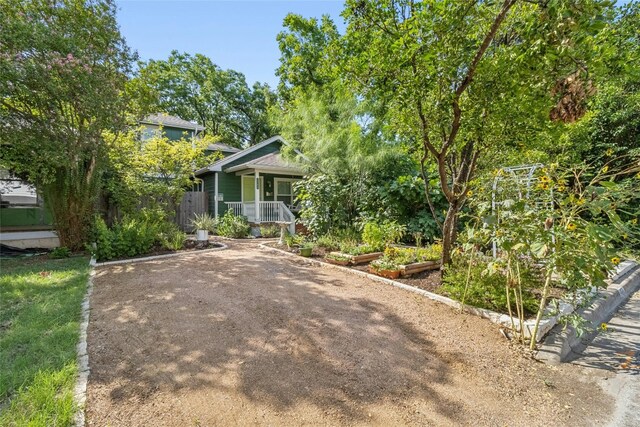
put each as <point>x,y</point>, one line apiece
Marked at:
<point>562,343</point>
<point>154,257</point>
<point>546,324</point>
<point>80,390</point>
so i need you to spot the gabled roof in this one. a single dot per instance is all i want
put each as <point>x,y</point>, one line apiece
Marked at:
<point>171,121</point>
<point>218,146</point>
<point>272,162</point>
<point>217,166</point>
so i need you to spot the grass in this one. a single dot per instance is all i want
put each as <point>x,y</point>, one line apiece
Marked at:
<point>40,310</point>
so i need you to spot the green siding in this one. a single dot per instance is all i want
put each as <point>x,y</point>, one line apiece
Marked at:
<point>263,151</point>
<point>24,217</point>
<point>229,184</point>
<point>175,134</point>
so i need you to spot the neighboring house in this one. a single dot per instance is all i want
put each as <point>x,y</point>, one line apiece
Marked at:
<point>256,182</point>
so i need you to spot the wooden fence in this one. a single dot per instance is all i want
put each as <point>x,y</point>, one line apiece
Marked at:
<point>193,202</point>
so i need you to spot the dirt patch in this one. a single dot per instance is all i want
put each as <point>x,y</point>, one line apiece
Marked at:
<point>244,336</point>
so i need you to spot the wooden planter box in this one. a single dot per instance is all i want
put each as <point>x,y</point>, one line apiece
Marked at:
<point>360,259</point>
<point>389,274</point>
<point>338,261</point>
<point>408,270</point>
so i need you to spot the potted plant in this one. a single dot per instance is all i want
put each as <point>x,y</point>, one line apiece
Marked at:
<point>385,267</point>
<point>203,224</point>
<point>306,249</point>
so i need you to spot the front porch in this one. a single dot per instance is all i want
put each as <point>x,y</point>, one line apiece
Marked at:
<point>260,211</point>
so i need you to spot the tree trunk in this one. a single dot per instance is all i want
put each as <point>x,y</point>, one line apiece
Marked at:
<point>449,231</point>
<point>71,197</point>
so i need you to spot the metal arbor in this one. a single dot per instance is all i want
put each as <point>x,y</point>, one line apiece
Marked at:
<point>512,183</point>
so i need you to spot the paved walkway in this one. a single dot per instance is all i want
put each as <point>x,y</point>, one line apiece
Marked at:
<point>614,356</point>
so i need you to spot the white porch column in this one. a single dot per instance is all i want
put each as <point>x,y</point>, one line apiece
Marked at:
<point>215,194</point>
<point>256,175</point>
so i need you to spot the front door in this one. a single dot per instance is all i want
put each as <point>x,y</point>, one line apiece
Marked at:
<point>249,189</point>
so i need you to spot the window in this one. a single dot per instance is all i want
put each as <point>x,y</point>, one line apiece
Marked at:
<point>284,191</point>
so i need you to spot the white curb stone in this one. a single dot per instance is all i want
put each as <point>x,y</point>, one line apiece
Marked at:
<point>546,324</point>
<point>80,390</point>
<point>154,257</point>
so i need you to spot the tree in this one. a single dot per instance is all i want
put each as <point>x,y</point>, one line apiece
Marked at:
<point>153,172</point>
<point>458,77</point>
<point>63,66</point>
<point>194,88</point>
<point>304,54</point>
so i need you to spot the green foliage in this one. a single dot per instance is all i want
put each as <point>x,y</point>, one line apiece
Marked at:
<point>204,222</point>
<point>304,60</point>
<point>194,88</point>
<point>60,252</point>
<point>233,226</point>
<point>293,240</point>
<point>269,230</point>
<point>485,287</point>
<point>172,239</point>
<point>491,81</point>
<point>380,235</point>
<point>338,257</point>
<point>129,237</point>
<point>154,172</point>
<point>350,249</point>
<point>60,89</point>
<point>40,303</point>
<point>575,227</point>
<point>385,263</point>
<point>325,204</point>
<point>336,238</point>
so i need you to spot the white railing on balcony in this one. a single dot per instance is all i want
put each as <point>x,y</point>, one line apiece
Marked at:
<point>269,212</point>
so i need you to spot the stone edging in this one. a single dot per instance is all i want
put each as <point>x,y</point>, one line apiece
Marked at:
<point>80,390</point>
<point>562,343</point>
<point>546,324</point>
<point>154,257</point>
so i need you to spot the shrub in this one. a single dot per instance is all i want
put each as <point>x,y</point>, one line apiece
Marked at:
<point>233,226</point>
<point>358,250</point>
<point>379,235</point>
<point>128,237</point>
<point>269,230</point>
<point>61,252</point>
<point>336,238</point>
<point>293,240</point>
<point>486,288</point>
<point>173,239</point>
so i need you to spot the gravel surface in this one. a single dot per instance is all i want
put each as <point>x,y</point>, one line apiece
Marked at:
<point>247,337</point>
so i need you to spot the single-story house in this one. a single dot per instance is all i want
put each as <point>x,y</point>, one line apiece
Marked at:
<point>256,182</point>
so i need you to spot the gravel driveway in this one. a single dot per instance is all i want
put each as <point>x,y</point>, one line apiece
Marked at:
<point>247,337</point>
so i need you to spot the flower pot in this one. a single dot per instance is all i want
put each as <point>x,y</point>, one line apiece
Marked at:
<point>306,251</point>
<point>202,235</point>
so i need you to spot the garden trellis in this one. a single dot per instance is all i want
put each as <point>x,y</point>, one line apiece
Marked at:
<point>514,183</point>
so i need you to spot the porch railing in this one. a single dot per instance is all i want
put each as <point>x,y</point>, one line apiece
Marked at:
<point>269,212</point>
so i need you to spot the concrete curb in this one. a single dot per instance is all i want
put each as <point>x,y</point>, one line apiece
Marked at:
<point>154,257</point>
<point>562,343</point>
<point>547,323</point>
<point>492,316</point>
<point>80,390</point>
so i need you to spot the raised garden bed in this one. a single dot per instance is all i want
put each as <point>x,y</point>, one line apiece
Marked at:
<point>418,267</point>
<point>405,270</point>
<point>357,259</point>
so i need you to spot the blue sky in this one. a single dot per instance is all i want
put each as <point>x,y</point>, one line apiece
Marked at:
<point>240,34</point>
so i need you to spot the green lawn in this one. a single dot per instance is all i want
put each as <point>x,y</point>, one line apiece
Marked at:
<point>40,310</point>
